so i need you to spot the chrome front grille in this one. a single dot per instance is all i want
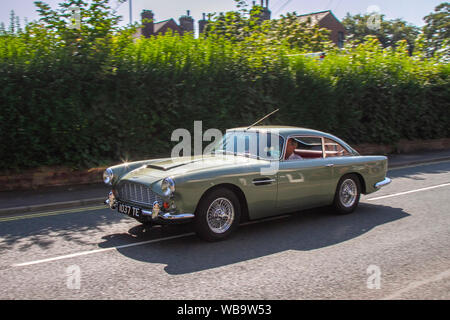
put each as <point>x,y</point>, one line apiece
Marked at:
<point>135,192</point>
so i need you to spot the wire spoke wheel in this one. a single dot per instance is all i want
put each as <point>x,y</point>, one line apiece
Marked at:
<point>217,215</point>
<point>220,215</point>
<point>348,193</point>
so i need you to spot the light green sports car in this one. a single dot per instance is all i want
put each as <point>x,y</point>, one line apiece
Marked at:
<point>250,174</point>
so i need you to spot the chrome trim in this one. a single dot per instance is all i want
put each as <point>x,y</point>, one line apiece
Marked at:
<point>168,192</point>
<point>263,181</point>
<point>146,212</point>
<point>111,201</point>
<point>108,176</point>
<point>156,209</point>
<point>169,216</point>
<point>138,193</point>
<point>383,183</point>
<point>324,152</point>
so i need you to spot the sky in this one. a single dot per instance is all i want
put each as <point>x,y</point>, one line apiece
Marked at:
<point>410,10</point>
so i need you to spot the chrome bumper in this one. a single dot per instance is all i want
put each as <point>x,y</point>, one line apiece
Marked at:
<point>111,201</point>
<point>383,183</point>
<point>167,216</point>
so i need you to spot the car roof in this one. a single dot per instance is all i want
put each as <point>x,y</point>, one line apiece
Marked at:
<point>283,131</point>
<point>287,131</point>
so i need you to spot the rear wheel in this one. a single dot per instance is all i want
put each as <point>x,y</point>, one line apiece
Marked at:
<point>347,195</point>
<point>218,215</point>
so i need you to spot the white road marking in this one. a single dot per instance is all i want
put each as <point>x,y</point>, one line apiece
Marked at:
<point>190,234</point>
<point>408,192</point>
<point>83,253</point>
<point>78,254</point>
<point>51,213</point>
<point>418,284</point>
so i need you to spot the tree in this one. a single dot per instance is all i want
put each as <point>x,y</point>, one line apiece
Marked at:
<point>389,32</point>
<point>248,25</point>
<point>236,25</point>
<point>290,31</point>
<point>98,20</point>
<point>436,31</point>
<point>89,41</point>
<point>14,24</point>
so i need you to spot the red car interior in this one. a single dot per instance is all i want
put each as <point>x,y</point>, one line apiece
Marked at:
<point>313,154</point>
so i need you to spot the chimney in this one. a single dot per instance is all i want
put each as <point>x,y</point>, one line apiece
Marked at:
<point>202,24</point>
<point>147,23</point>
<point>187,23</point>
<point>266,14</point>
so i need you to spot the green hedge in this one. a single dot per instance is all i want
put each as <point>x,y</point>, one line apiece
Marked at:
<point>82,106</point>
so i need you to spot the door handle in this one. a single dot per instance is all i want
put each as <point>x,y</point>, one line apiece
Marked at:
<point>264,181</point>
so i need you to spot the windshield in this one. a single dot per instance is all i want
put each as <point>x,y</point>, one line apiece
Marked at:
<point>262,145</point>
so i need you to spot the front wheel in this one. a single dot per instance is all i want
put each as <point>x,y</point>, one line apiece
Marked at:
<point>348,193</point>
<point>218,215</point>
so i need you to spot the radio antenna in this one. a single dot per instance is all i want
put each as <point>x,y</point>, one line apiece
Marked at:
<point>262,119</point>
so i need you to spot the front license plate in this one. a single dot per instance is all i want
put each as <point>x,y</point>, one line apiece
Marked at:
<point>129,210</point>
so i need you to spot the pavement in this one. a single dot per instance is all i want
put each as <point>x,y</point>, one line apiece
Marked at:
<point>394,246</point>
<point>54,198</point>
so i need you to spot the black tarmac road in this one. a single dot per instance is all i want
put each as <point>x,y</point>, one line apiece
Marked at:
<point>395,246</point>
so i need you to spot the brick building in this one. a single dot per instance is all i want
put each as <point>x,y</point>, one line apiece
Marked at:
<point>327,20</point>
<point>324,19</point>
<point>151,28</point>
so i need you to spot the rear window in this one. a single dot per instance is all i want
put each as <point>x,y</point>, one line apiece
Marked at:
<point>334,149</point>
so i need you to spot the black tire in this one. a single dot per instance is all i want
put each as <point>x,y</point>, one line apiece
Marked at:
<point>147,224</point>
<point>222,197</point>
<point>346,203</point>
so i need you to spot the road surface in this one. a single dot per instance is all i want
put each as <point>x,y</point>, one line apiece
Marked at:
<point>395,246</point>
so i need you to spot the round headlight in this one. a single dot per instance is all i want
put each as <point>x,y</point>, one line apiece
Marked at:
<point>168,186</point>
<point>108,176</point>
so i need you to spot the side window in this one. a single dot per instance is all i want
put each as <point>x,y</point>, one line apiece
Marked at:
<point>304,148</point>
<point>270,146</point>
<point>334,149</point>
